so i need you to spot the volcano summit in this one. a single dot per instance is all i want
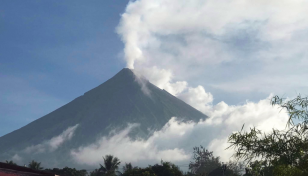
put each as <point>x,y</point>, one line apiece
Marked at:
<point>109,107</point>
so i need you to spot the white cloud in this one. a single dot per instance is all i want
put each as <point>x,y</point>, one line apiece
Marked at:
<point>54,143</point>
<point>17,158</point>
<point>233,45</point>
<point>175,141</point>
<point>198,98</point>
<point>236,46</point>
<point>127,149</point>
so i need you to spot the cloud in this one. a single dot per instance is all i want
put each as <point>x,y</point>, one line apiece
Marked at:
<point>198,98</point>
<point>161,78</point>
<point>235,46</point>
<point>175,141</point>
<point>52,144</point>
<point>17,158</point>
<point>121,145</point>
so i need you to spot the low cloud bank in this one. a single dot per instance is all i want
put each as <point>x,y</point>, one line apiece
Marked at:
<point>175,141</point>
<point>52,144</point>
<point>126,149</point>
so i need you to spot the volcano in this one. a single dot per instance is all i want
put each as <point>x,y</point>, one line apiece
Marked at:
<point>110,106</point>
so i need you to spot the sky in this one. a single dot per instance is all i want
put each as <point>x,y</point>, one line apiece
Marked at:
<point>225,58</point>
<point>52,52</point>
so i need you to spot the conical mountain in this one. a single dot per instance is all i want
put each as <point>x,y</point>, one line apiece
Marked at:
<point>118,101</point>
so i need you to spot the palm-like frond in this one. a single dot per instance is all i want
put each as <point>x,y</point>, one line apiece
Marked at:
<point>111,164</point>
<point>10,162</point>
<point>35,165</point>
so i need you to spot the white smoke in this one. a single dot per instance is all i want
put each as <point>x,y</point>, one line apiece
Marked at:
<point>236,46</point>
<point>161,78</point>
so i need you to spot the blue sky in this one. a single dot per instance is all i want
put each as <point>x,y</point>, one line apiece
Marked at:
<point>203,52</point>
<point>53,51</point>
<point>224,58</point>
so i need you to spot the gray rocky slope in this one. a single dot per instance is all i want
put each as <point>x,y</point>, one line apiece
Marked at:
<point>111,105</point>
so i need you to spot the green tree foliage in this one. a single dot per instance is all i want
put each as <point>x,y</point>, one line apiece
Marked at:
<point>95,173</point>
<point>67,171</point>
<point>163,169</point>
<point>258,168</point>
<point>128,167</point>
<point>166,169</point>
<point>283,152</point>
<point>140,172</point>
<point>235,168</point>
<point>111,165</point>
<point>10,162</point>
<point>203,161</point>
<point>35,165</point>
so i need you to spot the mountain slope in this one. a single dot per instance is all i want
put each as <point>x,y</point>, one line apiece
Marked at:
<point>114,103</point>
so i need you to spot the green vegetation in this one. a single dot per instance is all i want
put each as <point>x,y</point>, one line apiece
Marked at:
<point>10,162</point>
<point>202,158</point>
<point>111,166</point>
<point>163,169</point>
<point>67,171</point>
<point>128,167</point>
<point>204,162</point>
<point>278,153</point>
<point>281,152</point>
<point>35,165</point>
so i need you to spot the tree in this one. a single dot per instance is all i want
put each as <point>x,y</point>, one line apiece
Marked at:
<point>162,169</point>
<point>236,168</point>
<point>67,171</point>
<point>281,152</point>
<point>140,172</point>
<point>204,161</point>
<point>166,169</point>
<point>35,165</point>
<point>111,165</point>
<point>95,173</point>
<point>10,162</point>
<point>128,167</point>
<point>258,168</point>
